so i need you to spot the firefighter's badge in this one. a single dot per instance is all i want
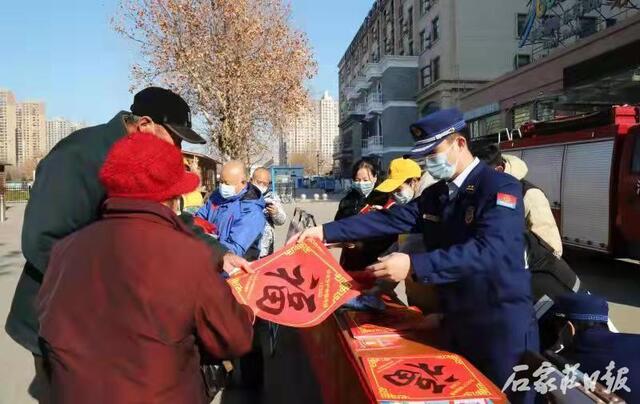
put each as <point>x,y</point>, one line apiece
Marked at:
<point>469,215</point>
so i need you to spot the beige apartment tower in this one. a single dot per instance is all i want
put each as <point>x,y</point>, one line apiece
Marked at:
<point>58,129</point>
<point>329,130</point>
<point>8,152</point>
<point>31,132</point>
<point>313,135</point>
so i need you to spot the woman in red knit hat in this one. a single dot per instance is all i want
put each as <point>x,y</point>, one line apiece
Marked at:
<point>130,302</point>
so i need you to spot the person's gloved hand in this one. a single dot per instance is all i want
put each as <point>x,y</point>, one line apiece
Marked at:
<point>365,303</point>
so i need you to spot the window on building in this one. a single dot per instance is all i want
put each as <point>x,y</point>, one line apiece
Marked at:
<point>521,60</point>
<point>521,24</point>
<point>635,163</point>
<point>588,26</point>
<point>410,48</point>
<point>435,29</point>
<point>423,36</point>
<point>425,76</point>
<point>435,69</point>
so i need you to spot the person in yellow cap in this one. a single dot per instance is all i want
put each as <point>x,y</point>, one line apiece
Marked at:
<point>403,180</point>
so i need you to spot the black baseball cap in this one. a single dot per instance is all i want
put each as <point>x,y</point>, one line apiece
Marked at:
<point>168,109</point>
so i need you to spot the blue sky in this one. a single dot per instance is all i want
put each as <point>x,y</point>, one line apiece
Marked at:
<point>64,52</point>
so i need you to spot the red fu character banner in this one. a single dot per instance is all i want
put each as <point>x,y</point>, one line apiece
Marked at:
<point>441,377</point>
<point>299,285</point>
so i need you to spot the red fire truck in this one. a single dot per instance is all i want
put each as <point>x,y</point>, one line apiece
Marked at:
<point>589,168</point>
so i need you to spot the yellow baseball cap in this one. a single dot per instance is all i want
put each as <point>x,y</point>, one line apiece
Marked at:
<point>400,170</point>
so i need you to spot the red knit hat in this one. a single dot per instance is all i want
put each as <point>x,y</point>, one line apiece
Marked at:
<point>143,166</point>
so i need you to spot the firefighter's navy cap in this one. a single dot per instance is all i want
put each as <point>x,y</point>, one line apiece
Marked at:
<point>167,109</point>
<point>431,130</point>
<point>582,306</point>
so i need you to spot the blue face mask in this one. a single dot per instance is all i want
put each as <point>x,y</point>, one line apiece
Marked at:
<point>227,191</point>
<point>364,187</point>
<point>439,167</point>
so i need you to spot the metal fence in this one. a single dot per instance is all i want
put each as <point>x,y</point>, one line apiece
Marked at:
<point>16,192</point>
<point>286,191</point>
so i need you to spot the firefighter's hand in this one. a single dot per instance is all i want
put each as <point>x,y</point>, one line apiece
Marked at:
<point>233,264</point>
<point>393,267</point>
<point>311,232</point>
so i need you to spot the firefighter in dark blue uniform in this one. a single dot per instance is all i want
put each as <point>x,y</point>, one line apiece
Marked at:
<point>472,223</point>
<point>582,324</point>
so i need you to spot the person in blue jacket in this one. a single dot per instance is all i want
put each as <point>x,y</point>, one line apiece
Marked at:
<point>235,208</point>
<point>472,223</point>
<point>586,339</point>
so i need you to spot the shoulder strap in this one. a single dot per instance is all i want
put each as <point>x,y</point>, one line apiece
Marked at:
<point>526,186</point>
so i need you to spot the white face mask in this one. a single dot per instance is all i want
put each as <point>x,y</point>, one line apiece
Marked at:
<point>405,195</point>
<point>263,189</point>
<point>227,191</point>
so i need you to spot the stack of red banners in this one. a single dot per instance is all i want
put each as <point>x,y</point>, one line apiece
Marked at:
<point>299,285</point>
<point>440,377</point>
<point>394,321</point>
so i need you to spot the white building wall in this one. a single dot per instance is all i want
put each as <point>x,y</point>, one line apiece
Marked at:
<point>487,40</point>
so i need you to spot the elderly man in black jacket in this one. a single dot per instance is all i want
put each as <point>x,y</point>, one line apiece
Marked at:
<point>67,195</point>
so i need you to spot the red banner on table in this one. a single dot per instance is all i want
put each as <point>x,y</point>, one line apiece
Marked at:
<point>429,377</point>
<point>394,321</point>
<point>299,285</point>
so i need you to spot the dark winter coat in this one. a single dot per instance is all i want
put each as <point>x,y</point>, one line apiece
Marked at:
<point>365,252</point>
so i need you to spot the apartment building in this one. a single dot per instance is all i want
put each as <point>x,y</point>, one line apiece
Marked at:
<point>413,57</point>
<point>31,132</point>
<point>58,129</point>
<point>8,151</point>
<point>312,135</point>
<point>328,130</point>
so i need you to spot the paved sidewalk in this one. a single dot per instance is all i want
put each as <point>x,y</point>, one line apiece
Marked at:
<point>16,363</point>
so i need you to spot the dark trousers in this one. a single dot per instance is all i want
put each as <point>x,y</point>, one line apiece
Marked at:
<point>481,340</point>
<point>39,387</point>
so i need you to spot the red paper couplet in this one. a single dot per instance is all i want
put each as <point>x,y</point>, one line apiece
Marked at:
<point>440,377</point>
<point>299,285</point>
<point>392,322</point>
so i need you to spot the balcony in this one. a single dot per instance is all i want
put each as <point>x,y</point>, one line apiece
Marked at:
<point>374,103</point>
<point>372,70</point>
<point>372,145</point>
<point>376,70</point>
<point>357,109</point>
<point>349,93</point>
<point>352,108</point>
<point>361,83</point>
